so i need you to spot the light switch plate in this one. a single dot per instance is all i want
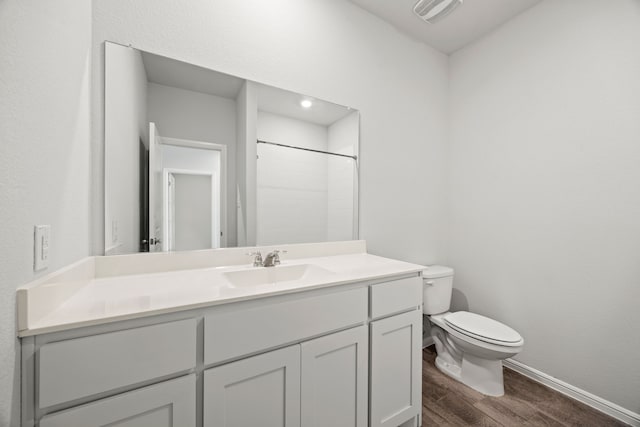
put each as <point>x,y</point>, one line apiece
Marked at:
<point>114,231</point>
<point>41,247</point>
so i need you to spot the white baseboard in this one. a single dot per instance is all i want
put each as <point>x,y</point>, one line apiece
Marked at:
<point>580,395</point>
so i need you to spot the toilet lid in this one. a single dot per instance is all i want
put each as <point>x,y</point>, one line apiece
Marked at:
<point>483,328</point>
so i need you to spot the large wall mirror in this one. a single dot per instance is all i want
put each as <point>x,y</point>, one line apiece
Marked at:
<point>198,159</point>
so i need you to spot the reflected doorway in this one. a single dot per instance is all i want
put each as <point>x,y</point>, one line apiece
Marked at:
<point>191,191</point>
<point>192,219</point>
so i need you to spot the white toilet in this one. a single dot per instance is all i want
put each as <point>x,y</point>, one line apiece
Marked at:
<point>470,347</point>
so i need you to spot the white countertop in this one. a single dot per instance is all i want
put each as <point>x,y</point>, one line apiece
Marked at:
<point>99,300</point>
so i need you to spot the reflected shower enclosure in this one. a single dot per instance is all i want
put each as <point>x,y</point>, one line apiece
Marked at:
<point>306,171</point>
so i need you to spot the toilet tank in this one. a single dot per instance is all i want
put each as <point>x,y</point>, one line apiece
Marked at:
<point>437,285</point>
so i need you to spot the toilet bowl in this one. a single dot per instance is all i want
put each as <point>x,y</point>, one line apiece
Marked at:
<point>470,347</point>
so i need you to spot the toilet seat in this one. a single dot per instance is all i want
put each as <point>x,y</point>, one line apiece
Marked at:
<point>483,329</point>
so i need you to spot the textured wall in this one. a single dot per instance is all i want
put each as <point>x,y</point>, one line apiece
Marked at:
<point>545,201</point>
<point>331,50</point>
<point>543,159</point>
<point>44,154</point>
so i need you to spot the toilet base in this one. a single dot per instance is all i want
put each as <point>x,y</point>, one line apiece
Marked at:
<point>480,374</point>
<point>448,369</point>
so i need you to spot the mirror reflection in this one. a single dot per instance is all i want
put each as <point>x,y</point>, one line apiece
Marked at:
<point>198,159</point>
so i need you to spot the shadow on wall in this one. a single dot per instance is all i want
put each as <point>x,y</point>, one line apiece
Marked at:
<point>459,301</point>
<point>14,416</point>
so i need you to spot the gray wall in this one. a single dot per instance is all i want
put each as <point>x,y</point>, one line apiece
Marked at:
<point>126,125</point>
<point>404,114</point>
<point>45,72</point>
<point>545,193</point>
<point>543,210</point>
<point>185,114</point>
<point>246,122</point>
<point>343,137</point>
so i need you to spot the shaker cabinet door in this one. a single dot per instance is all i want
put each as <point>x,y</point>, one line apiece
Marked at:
<point>334,379</point>
<point>262,390</point>
<point>396,369</point>
<point>168,404</point>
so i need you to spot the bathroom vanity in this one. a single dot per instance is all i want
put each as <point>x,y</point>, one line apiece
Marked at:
<point>331,337</point>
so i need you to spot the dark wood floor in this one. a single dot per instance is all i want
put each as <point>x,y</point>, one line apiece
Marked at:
<point>446,402</point>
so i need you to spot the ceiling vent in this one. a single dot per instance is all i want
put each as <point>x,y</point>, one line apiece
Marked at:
<point>434,10</point>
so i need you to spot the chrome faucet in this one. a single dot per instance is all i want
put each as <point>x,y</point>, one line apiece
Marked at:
<point>272,258</point>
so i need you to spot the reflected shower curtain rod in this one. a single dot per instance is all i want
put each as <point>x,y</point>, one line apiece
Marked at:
<point>307,149</point>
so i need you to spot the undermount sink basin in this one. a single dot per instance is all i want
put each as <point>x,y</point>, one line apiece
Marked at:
<point>270,275</point>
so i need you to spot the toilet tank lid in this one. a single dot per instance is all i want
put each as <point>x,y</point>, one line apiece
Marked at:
<point>436,271</point>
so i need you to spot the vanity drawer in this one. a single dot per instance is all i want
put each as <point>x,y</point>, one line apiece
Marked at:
<point>230,334</point>
<point>170,402</point>
<point>80,367</point>
<point>396,296</point>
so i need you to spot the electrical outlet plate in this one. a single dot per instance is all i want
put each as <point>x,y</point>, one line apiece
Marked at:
<point>41,247</point>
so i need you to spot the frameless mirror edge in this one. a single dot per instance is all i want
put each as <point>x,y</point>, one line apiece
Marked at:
<point>356,205</point>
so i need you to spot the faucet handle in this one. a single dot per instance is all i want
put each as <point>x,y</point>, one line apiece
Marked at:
<point>276,254</point>
<point>257,260</point>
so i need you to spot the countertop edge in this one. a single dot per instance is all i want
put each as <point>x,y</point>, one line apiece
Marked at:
<point>28,332</point>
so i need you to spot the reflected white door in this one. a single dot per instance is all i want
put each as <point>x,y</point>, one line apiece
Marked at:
<point>155,189</point>
<point>170,237</point>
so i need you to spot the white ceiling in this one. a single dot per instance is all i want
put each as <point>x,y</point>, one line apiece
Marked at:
<point>171,72</point>
<point>469,22</point>
<point>285,103</point>
<point>182,75</point>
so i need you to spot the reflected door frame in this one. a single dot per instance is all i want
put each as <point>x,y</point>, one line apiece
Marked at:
<point>219,181</point>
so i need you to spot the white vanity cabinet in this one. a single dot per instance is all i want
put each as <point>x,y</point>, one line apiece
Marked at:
<point>167,404</point>
<point>87,366</point>
<point>340,356</point>
<point>335,379</point>
<point>135,377</point>
<point>269,389</point>
<point>262,390</point>
<point>396,353</point>
<point>396,369</point>
<point>321,382</point>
